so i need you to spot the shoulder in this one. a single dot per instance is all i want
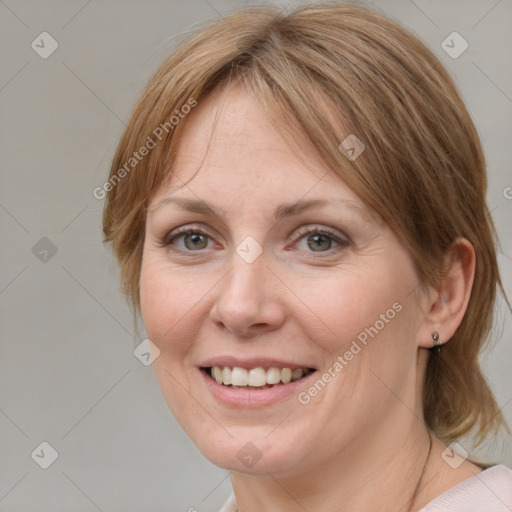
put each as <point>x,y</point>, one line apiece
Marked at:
<point>230,505</point>
<point>489,490</point>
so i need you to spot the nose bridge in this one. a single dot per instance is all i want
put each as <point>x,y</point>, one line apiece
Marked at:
<point>248,269</point>
<point>245,300</point>
<point>245,284</point>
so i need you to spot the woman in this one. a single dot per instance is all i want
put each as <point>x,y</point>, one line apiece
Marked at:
<point>304,232</point>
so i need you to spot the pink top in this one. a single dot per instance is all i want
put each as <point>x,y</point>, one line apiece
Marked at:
<point>488,491</point>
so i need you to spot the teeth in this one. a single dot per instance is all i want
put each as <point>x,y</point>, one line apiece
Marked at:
<point>226,375</point>
<point>217,374</point>
<point>286,375</point>
<point>297,373</point>
<point>239,376</point>
<point>273,375</point>
<point>256,377</point>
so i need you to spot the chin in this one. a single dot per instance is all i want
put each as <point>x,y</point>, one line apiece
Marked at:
<point>252,450</point>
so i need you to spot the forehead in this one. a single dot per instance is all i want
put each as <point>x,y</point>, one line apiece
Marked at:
<point>232,159</point>
<point>231,131</point>
<point>228,139</point>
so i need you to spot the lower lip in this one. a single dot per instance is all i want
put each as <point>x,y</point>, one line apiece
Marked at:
<point>253,397</point>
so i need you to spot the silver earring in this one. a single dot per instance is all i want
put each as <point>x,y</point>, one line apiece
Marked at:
<point>437,344</point>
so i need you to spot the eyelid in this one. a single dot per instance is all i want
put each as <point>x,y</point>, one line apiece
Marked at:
<point>313,228</point>
<point>167,239</point>
<point>339,238</point>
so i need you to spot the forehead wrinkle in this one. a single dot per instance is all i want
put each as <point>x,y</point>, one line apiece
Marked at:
<point>280,212</point>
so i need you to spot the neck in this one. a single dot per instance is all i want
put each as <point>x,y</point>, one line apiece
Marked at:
<point>381,469</point>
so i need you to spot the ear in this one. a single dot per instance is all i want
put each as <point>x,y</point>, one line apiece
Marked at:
<point>447,305</point>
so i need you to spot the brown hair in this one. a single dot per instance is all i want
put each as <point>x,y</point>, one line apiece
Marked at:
<point>423,169</point>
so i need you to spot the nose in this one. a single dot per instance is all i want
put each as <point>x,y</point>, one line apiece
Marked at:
<point>248,300</point>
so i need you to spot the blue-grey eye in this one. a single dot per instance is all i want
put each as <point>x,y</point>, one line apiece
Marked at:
<point>195,241</point>
<point>319,242</point>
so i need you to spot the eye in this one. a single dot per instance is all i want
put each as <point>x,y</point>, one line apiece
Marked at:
<point>193,239</point>
<point>310,239</point>
<point>320,240</point>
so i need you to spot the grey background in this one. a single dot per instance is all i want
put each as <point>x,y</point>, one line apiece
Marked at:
<point>68,375</point>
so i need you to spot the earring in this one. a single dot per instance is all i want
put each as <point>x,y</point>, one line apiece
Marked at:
<point>437,344</point>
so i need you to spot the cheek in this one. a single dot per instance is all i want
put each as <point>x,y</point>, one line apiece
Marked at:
<point>366,317</point>
<point>167,307</point>
<point>343,305</point>
<point>167,301</point>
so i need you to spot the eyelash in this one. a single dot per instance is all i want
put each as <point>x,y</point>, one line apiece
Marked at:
<point>302,233</point>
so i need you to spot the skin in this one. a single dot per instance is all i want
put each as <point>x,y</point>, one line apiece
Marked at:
<point>361,443</point>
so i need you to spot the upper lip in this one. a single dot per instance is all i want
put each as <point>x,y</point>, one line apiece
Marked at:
<point>251,362</point>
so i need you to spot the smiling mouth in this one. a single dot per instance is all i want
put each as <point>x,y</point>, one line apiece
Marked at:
<point>255,378</point>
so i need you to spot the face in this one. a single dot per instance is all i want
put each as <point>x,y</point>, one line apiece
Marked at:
<point>265,262</point>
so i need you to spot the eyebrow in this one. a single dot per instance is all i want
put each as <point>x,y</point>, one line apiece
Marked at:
<point>282,211</point>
